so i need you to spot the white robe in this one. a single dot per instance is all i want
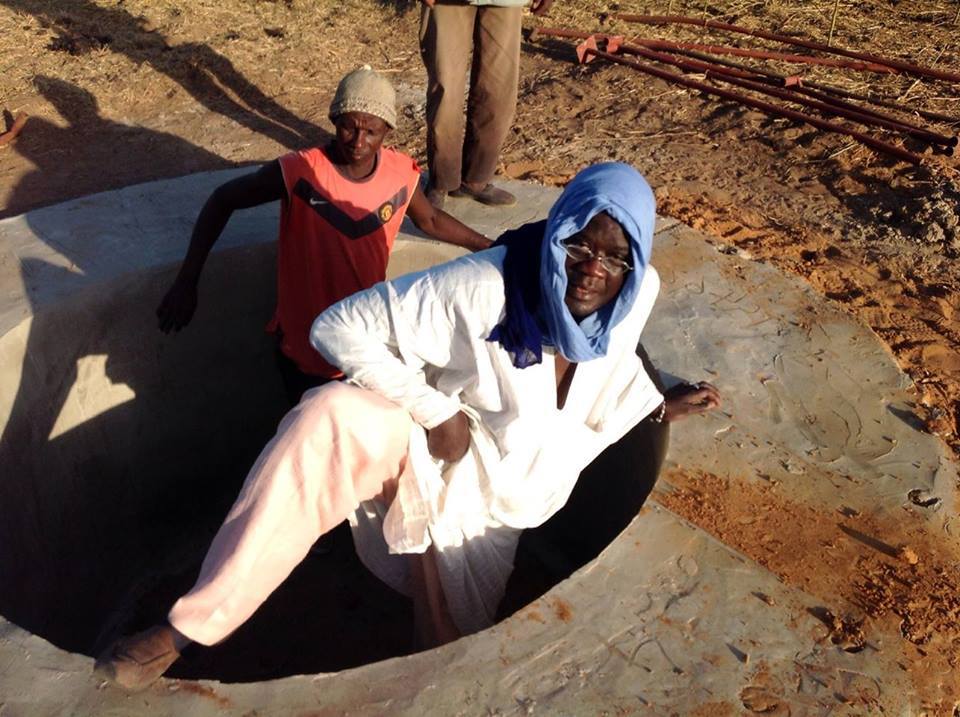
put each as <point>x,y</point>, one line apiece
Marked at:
<point>421,341</point>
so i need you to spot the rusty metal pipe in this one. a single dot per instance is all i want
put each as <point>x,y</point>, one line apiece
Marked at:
<point>763,54</point>
<point>946,140</point>
<point>736,77</point>
<point>889,62</point>
<point>566,32</point>
<point>575,34</point>
<point>875,144</point>
<point>880,102</point>
<point>18,122</point>
<point>570,33</point>
<point>824,88</point>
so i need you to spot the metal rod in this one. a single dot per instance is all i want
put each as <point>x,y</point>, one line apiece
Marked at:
<point>829,89</point>
<point>572,33</point>
<point>935,137</point>
<point>875,144</point>
<point>18,122</point>
<point>889,62</point>
<point>764,54</point>
<point>737,77</point>
<point>568,32</point>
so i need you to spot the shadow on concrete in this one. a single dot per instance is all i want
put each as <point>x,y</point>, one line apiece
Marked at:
<point>59,537</point>
<point>124,450</point>
<point>98,483</point>
<point>98,479</point>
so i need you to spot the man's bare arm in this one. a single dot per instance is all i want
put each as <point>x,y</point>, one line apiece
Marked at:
<point>438,224</point>
<point>265,185</point>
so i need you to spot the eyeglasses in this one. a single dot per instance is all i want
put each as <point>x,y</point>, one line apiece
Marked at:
<point>580,252</point>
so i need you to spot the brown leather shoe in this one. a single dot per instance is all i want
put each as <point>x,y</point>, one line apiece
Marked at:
<point>136,662</point>
<point>437,197</point>
<point>494,196</point>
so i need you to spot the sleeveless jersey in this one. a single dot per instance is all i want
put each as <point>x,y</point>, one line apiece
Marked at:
<point>335,238</point>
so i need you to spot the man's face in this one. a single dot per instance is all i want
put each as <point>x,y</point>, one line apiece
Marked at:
<point>359,136</point>
<point>589,285</point>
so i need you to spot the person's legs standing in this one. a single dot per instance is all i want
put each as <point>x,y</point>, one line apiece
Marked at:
<point>493,92</point>
<point>446,39</point>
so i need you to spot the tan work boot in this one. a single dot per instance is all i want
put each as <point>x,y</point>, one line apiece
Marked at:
<point>136,662</point>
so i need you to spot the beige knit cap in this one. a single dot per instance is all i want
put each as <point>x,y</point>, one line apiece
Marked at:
<point>365,90</point>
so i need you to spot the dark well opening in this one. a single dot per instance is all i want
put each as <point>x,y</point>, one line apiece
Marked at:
<point>107,506</point>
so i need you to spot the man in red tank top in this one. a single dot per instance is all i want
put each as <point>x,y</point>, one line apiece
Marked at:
<point>341,208</point>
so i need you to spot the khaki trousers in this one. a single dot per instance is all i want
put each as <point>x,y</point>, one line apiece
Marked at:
<point>455,38</point>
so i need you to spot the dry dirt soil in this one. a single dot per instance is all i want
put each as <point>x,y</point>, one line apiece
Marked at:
<point>125,91</point>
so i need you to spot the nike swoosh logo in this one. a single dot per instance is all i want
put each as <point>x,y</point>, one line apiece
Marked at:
<point>349,227</point>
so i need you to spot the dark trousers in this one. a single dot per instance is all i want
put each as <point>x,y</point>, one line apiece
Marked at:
<point>295,381</point>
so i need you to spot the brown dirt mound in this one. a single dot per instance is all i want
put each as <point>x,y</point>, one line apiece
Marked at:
<point>867,573</point>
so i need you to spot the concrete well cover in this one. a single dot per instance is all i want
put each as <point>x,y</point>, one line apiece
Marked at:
<point>798,556</point>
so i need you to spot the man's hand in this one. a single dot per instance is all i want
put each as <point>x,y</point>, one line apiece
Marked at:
<point>538,7</point>
<point>177,307</point>
<point>259,187</point>
<point>428,3</point>
<point>687,399</point>
<point>450,440</point>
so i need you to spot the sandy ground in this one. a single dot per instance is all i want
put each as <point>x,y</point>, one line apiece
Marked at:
<point>905,583</point>
<point>126,91</point>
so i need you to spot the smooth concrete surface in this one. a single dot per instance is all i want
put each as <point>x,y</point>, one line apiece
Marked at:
<point>103,416</point>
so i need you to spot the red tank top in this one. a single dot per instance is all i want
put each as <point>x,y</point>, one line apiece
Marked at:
<point>335,238</point>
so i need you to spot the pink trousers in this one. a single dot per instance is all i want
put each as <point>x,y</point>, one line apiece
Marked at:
<point>341,445</point>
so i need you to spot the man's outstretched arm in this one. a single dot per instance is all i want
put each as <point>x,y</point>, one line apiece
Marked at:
<point>265,185</point>
<point>438,224</point>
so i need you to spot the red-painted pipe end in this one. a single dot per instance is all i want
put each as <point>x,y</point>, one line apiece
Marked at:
<point>586,49</point>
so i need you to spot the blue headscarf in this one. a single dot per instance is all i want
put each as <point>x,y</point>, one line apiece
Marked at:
<point>535,277</point>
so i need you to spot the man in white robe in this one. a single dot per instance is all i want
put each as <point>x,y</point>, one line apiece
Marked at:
<point>478,391</point>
